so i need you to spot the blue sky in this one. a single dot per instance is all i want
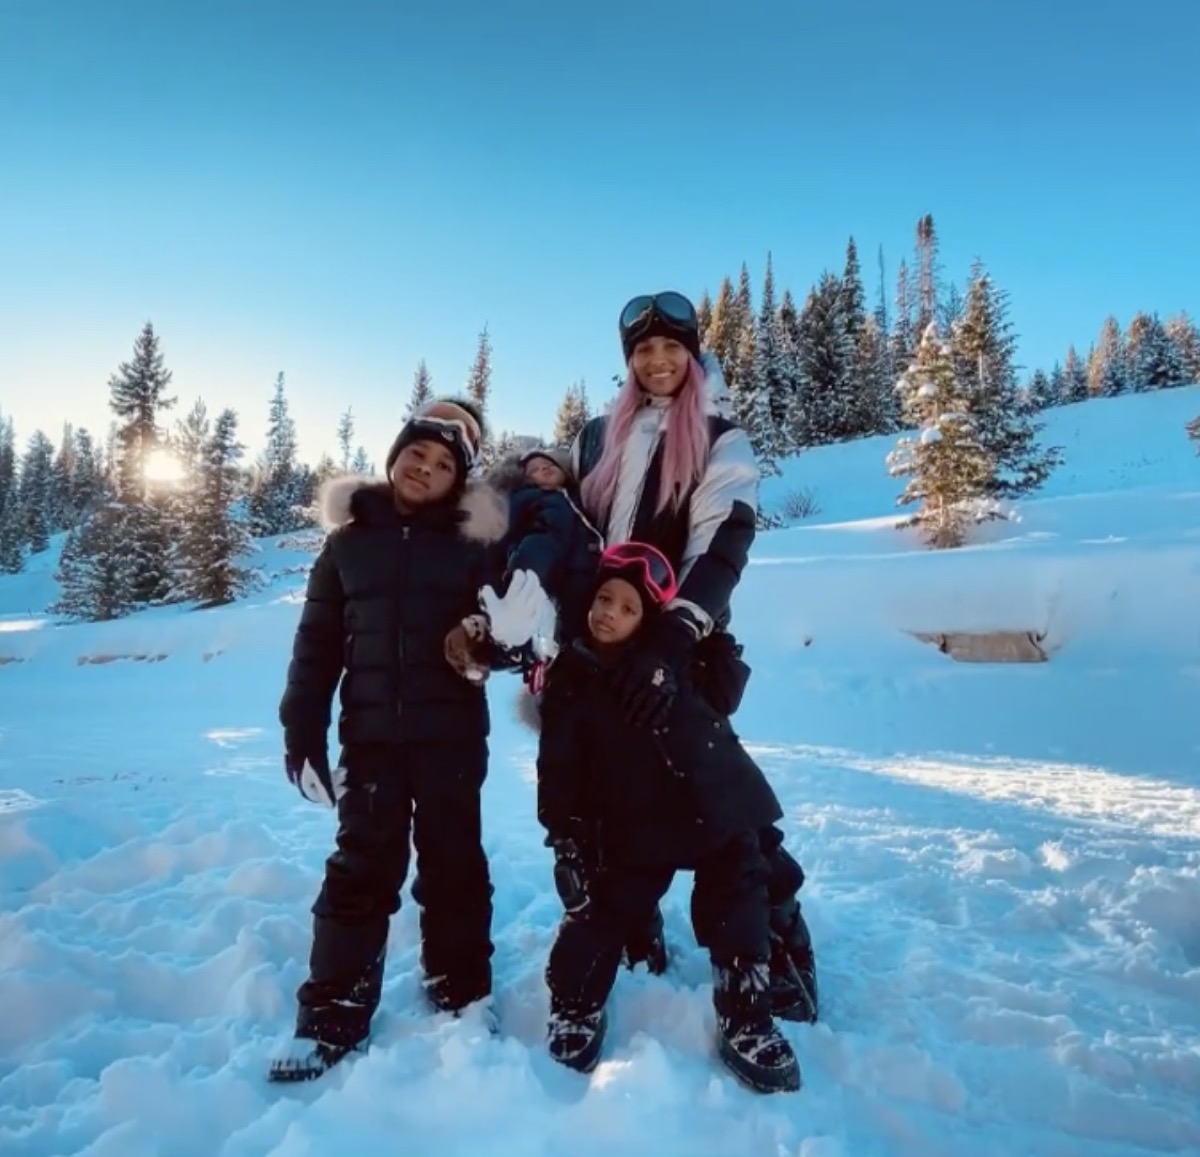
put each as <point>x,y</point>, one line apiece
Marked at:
<point>338,189</point>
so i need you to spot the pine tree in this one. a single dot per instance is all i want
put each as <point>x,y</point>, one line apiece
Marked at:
<point>949,469</point>
<point>1074,378</point>
<point>62,514</point>
<point>422,391</point>
<point>903,336</point>
<point>276,497</point>
<point>1193,432</point>
<point>1041,391</point>
<point>89,484</point>
<point>831,411</point>
<point>1106,373</point>
<point>96,572</point>
<point>479,389</point>
<point>861,368</point>
<point>881,413</point>
<point>573,415</point>
<point>854,299</point>
<point>12,530</point>
<point>704,314</point>
<point>35,494</point>
<point>361,464</point>
<point>1058,385</point>
<point>1153,359</point>
<point>345,437</point>
<point>214,538</point>
<point>928,272</point>
<point>763,410</point>
<point>720,334</point>
<point>1186,335</point>
<point>983,346</point>
<point>138,396</point>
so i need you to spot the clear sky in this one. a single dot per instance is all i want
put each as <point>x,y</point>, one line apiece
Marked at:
<point>338,188</point>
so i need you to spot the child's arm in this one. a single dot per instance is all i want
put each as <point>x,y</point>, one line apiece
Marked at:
<point>316,663</point>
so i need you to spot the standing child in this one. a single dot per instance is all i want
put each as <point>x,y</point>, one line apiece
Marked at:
<point>401,566</point>
<point>626,807</point>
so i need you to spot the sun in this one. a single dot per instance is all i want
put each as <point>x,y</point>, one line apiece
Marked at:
<point>163,467</point>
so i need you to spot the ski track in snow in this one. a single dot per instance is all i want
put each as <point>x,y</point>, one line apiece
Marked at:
<point>1010,962</point>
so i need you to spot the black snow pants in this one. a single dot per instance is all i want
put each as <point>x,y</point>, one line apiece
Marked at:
<point>430,791</point>
<point>729,917</point>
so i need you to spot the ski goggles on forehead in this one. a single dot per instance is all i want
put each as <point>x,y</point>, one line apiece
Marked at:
<point>671,307</point>
<point>655,571</point>
<point>452,430</point>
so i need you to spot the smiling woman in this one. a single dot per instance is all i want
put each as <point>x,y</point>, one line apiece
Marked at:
<point>163,467</point>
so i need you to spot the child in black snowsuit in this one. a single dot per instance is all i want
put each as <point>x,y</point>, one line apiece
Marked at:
<point>626,807</point>
<point>402,565</point>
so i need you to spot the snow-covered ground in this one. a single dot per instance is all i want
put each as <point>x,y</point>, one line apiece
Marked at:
<point>1004,860</point>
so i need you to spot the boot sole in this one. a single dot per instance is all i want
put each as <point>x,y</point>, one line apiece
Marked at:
<point>761,1080</point>
<point>293,1073</point>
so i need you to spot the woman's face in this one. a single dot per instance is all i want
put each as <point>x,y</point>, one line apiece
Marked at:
<point>660,365</point>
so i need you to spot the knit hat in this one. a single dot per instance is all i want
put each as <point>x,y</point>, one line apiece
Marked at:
<point>453,422</point>
<point>560,456</point>
<point>645,568</point>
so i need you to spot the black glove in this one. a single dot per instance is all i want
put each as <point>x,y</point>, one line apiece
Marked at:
<point>720,673</point>
<point>307,765</point>
<point>572,870</point>
<point>647,679</point>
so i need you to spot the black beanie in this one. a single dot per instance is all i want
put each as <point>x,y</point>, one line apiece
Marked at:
<point>660,327</point>
<point>454,422</point>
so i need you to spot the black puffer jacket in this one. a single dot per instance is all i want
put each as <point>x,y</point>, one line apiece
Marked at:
<point>648,798</point>
<point>382,595</point>
<point>549,534</point>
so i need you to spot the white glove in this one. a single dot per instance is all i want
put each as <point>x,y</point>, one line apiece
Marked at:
<point>320,788</point>
<point>525,614</point>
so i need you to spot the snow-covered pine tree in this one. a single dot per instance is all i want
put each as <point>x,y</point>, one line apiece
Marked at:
<point>745,341</point>
<point>854,314</point>
<point>1106,372</point>
<point>89,484</point>
<point>95,572</point>
<point>1041,391</point>
<point>1058,385</point>
<point>763,411</point>
<point>903,339</point>
<point>795,418</point>
<point>948,469</point>
<point>983,346</point>
<point>345,438</point>
<point>422,391</point>
<point>479,390</point>
<point>138,396</point>
<point>720,333</point>
<point>62,514</point>
<point>1153,360</point>
<point>826,367</point>
<point>704,309</point>
<point>215,538</point>
<point>277,497</point>
<point>12,530</point>
<point>36,492</point>
<point>928,272</point>
<point>1074,378</point>
<point>361,463</point>
<point>572,416</point>
<point>1186,335</point>
<point>881,413</point>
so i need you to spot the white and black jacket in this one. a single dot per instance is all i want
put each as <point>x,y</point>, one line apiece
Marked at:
<point>708,537</point>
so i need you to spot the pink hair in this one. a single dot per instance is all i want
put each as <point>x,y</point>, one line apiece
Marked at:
<point>685,444</point>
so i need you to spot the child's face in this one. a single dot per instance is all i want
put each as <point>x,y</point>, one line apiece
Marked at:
<point>424,472</point>
<point>545,474</point>
<point>616,612</point>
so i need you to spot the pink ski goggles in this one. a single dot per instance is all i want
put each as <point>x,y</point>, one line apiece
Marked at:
<point>656,573</point>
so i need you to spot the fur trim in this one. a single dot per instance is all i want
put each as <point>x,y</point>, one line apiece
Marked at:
<point>529,709</point>
<point>484,511</point>
<point>336,495</point>
<point>507,474</point>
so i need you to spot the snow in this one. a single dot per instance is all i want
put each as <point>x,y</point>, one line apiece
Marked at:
<point>1004,861</point>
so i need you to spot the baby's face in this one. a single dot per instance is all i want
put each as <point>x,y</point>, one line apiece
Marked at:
<point>545,474</point>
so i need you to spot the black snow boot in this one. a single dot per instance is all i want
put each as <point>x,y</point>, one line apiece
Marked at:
<point>575,1038</point>
<point>453,991</point>
<point>793,965</point>
<point>648,946</point>
<point>748,1040</point>
<point>302,1059</point>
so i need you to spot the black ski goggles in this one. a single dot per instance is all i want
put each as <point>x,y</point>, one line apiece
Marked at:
<point>671,308</point>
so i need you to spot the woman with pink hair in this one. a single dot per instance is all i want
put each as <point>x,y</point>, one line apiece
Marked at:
<point>669,467</point>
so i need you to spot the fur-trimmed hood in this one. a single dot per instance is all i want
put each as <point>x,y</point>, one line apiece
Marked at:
<point>482,511</point>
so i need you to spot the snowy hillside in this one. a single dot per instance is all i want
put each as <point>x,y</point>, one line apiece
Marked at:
<point>1004,861</point>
